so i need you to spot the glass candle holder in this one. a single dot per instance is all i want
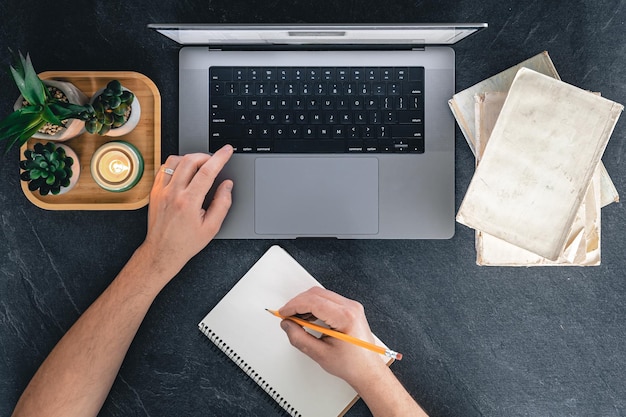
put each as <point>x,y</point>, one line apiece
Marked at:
<point>117,166</point>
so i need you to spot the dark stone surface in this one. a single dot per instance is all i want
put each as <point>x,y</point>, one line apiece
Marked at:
<point>477,341</point>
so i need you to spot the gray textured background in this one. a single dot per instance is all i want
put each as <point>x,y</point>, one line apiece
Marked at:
<point>477,341</point>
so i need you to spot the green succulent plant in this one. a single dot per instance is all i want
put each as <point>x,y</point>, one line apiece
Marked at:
<point>41,107</point>
<point>111,108</point>
<point>47,168</point>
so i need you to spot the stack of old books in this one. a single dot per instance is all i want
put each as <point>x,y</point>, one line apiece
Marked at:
<point>539,183</point>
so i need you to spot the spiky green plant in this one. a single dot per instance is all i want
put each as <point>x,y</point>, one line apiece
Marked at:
<point>42,108</point>
<point>111,107</point>
<point>47,168</point>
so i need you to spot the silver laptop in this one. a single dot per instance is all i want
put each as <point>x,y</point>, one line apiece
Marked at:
<point>339,130</point>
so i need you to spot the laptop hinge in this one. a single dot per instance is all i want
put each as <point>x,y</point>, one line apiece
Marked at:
<point>285,47</point>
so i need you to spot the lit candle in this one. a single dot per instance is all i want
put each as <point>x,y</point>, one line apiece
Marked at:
<point>117,166</point>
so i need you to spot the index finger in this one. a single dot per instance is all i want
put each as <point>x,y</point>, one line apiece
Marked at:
<point>205,177</point>
<point>332,308</point>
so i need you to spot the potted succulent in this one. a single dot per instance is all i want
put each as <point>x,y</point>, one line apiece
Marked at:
<point>116,111</point>
<point>42,105</point>
<point>50,168</point>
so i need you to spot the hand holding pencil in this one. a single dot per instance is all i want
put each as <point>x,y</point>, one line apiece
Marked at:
<point>346,360</point>
<point>341,336</point>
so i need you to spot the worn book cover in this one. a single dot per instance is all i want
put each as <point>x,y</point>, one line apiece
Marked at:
<point>583,243</point>
<point>462,103</point>
<point>582,246</point>
<point>487,108</point>
<point>542,154</point>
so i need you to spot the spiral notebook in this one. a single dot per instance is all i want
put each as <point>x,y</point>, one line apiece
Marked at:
<point>252,338</point>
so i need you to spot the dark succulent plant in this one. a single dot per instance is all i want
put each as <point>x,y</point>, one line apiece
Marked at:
<point>112,108</point>
<point>41,107</point>
<point>46,168</point>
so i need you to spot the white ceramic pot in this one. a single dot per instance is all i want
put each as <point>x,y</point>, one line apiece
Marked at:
<point>131,123</point>
<point>73,127</point>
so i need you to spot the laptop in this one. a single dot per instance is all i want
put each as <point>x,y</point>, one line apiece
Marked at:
<point>339,131</point>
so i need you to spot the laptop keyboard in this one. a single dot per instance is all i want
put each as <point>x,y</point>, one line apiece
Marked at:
<point>317,109</point>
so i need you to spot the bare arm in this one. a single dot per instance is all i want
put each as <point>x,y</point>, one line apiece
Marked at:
<point>77,376</point>
<point>361,368</point>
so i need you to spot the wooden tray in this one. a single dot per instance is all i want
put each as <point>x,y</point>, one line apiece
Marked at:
<point>87,195</point>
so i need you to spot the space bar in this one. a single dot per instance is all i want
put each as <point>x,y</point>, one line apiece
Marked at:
<point>309,146</point>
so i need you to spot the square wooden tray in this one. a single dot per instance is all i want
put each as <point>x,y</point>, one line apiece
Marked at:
<point>87,195</point>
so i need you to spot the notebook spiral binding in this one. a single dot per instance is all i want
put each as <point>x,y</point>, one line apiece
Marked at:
<point>241,363</point>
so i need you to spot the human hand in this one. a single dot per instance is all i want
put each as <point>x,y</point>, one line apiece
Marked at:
<point>354,364</point>
<point>178,226</point>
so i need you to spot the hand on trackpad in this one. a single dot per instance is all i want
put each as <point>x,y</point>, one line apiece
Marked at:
<point>316,196</point>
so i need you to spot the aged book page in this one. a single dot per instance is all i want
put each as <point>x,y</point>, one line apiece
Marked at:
<point>542,154</point>
<point>462,103</point>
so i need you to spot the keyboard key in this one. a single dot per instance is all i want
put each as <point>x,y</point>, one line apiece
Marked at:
<point>268,74</point>
<point>295,131</point>
<point>220,73</point>
<point>401,74</point>
<point>371,145</point>
<point>269,103</point>
<point>283,74</point>
<point>408,117</point>
<point>407,131</point>
<point>328,74</point>
<point>222,117</point>
<point>265,132</point>
<point>372,74</point>
<point>357,74</point>
<point>309,146</point>
<point>360,117</point>
<point>355,145</point>
<point>217,88</point>
<point>343,74</point>
<point>246,89</point>
<point>231,88</point>
<point>224,131</point>
<point>264,145</point>
<point>280,132</point>
<point>354,132</point>
<point>313,74</point>
<point>276,89</point>
<point>416,145</point>
<point>254,74</point>
<point>379,88</point>
<point>416,74</point>
<point>221,103</point>
<point>239,74</point>
<point>349,89</point>
<point>254,103</point>
<point>298,74</point>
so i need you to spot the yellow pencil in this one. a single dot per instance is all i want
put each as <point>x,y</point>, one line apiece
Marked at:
<point>341,336</point>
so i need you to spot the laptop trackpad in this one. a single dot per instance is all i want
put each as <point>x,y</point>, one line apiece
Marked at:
<point>316,196</point>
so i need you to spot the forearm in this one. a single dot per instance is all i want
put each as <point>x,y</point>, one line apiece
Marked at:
<point>385,396</point>
<point>77,375</point>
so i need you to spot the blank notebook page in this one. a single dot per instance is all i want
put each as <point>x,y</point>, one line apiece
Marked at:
<point>253,338</point>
